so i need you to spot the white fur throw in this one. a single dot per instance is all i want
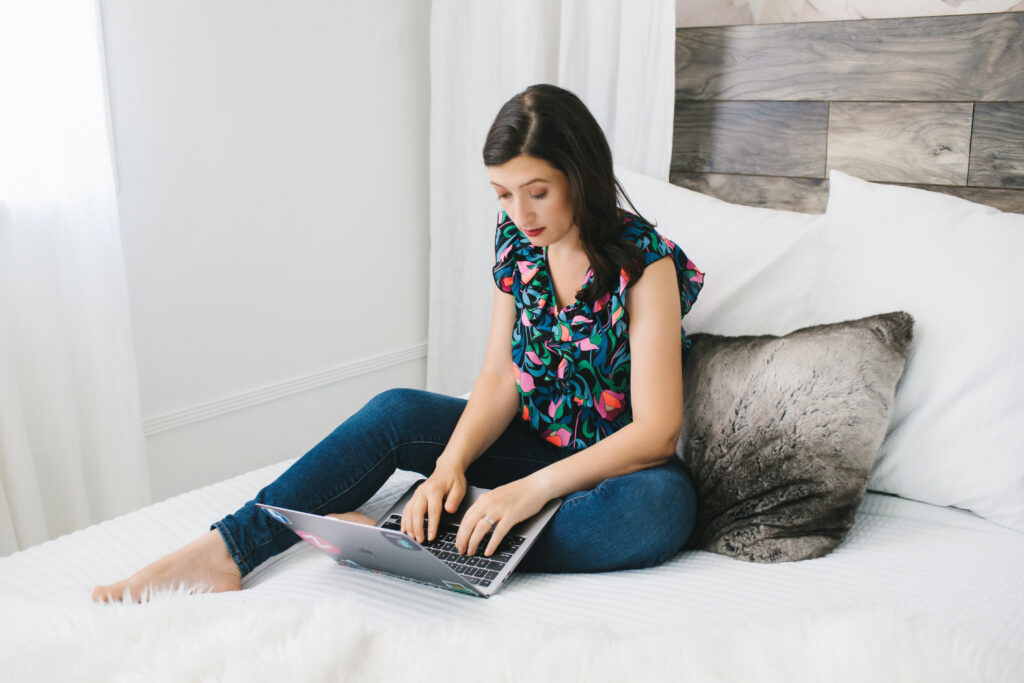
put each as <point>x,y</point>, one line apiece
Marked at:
<point>177,637</point>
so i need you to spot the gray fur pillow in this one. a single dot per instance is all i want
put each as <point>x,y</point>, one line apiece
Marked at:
<point>780,433</point>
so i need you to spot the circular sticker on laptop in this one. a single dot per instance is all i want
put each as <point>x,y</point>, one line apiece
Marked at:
<point>401,540</point>
<point>318,542</point>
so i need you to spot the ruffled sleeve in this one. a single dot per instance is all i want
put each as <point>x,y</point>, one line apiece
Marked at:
<point>654,246</point>
<point>689,276</point>
<point>506,239</point>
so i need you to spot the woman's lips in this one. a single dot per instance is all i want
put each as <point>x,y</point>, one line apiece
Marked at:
<point>533,233</point>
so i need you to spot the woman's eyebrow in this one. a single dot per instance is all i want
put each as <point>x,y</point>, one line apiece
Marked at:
<point>528,182</point>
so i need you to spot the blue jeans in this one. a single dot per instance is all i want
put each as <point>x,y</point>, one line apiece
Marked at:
<point>635,520</point>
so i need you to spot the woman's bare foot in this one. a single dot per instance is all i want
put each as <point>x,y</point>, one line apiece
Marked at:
<point>204,563</point>
<point>353,517</point>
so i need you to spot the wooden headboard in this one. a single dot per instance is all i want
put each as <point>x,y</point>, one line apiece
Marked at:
<point>764,111</point>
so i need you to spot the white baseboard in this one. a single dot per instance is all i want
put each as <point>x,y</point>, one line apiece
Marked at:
<point>272,392</point>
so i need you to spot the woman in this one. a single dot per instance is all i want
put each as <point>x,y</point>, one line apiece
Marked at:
<point>580,395</point>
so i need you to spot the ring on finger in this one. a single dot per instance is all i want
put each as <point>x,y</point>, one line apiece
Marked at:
<point>490,520</point>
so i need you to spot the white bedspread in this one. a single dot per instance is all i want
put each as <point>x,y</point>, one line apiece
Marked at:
<point>944,564</point>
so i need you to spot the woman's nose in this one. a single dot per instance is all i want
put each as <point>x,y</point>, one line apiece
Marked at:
<point>522,214</point>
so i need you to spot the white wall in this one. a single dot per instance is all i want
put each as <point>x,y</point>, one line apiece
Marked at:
<point>272,163</point>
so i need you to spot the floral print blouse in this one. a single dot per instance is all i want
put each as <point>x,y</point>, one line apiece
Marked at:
<point>572,366</point>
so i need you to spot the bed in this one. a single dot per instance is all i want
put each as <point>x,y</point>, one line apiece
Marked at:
<point>792,144</point>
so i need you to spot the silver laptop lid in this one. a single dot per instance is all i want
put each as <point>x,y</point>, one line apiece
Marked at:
<point>384,549</point>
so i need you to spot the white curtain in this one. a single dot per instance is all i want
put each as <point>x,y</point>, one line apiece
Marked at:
<point>72,449</point>
<point>618,56</point>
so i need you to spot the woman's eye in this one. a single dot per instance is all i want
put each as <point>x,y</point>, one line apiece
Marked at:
<point>506,195</point>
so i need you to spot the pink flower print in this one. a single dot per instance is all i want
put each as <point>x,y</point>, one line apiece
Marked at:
<point>617,313</point>
<point>563,333</point>
<point>526,270</point>
<point>504,253</point>
<point>526,321</point>
<point>623,279</point>
<point>525,381</point>
<point>580,319</point>
<point>553,409</point>
<point>698,276</point>
<point>534,358</point>
<point>603,301</point>
<point>586,345</point>
<point>610,404</point>
<point>561,369</point>
<point>669,243</point>
<point>559,438</point>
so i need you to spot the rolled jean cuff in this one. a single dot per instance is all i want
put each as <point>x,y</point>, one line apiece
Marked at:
<point>243,565</point>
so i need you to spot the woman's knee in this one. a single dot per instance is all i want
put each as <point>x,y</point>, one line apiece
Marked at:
<point>661,501</point>
<point>412,406</point>
<point>392,400</point>
<point>668,484</point>
<point>632,521</point>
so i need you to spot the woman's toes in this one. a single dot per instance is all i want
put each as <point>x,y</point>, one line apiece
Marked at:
<point>112,593</point>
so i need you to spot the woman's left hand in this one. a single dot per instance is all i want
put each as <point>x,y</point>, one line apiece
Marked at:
<point>507,506</point>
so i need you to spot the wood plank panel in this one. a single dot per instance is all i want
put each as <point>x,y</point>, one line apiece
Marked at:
<point>925,143</point>
<point>997,145</point>
<point>762,138</point>
<point>806,195</point>
<point>951,58</point>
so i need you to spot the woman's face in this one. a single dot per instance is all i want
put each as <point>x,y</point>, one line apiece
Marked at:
<point>537,197</point>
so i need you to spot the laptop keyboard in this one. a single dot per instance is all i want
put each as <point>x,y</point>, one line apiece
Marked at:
<point>476,569</point>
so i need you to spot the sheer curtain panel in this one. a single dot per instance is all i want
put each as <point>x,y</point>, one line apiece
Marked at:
<point>617,56</point>
<point>72,451</point>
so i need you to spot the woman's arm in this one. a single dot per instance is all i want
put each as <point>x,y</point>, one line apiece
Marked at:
<point>656,394</point>
<point>490,409</point>
<point>655,387</point>
<point>495,397</point>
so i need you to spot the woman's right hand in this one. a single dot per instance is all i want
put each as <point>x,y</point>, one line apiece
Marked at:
<point>446,486</point>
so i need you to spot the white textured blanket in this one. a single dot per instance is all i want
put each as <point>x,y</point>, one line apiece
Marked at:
<point>907,569</point>
<point>178,637</point>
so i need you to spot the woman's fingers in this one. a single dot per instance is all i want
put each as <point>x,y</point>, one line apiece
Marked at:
<point>500,529</point>
<point>431,499</point>
<point>407,518</point>
<point>481,529</point>
<point>476,532</point>
<point>433,513</point>
<point>412,517</point>
<point>455,494</point>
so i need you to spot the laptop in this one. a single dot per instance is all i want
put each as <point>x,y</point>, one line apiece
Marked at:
<point>384,549</point>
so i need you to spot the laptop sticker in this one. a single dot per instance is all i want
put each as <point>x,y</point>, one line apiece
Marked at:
<point>278,516</point>
<point>318,542</point>
<point>400,540</point>
<point>457,587</point>
<point>353,564</point>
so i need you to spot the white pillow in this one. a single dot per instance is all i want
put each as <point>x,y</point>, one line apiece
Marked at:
<point>956,431</point>
<point>759,264</point>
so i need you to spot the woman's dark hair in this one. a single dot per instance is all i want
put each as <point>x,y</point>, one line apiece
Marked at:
<point>553,124</point>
